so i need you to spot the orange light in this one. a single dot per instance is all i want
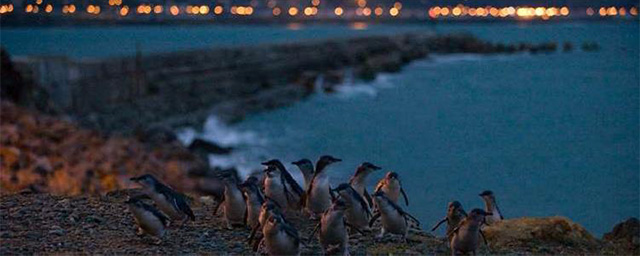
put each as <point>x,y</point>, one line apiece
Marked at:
<point>362,3</point>
<point>432,13</point>
<point>293,11</point>
<point>378,11</point>
<point>276,11</point>
<point>29,8</point>
<point>174,10</point>
<point>564,11</point>
<point>622,11</point>
<point>47,9</point>
<point>444,11</point>
<point>38,2</point>
<point>124,11</point>
<point>315,2</point>
<point>590,11</point>
<point>539,11</point>
<point>633,11</point>
<point>394,11</point>
<point>397,5</point>
<point>338,11</point>
<point>218,10</point>
<point>612,11</point>
<point>366,11</point>
<point>195,10</point>
<point>90,9</point>
<point>456,11</point>
<point>602,11</point>
<point>157,9</point>
<point>308,11</point>
<point>494,12</point>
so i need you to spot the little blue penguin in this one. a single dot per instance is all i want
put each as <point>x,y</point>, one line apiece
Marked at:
<point>148,218</point>
<point>281,187</point>
<point>394,219</point>
<point>392,187</point>
<point>306,168</point>
<point>455,214</point>
<point>359,180</point>
<point>358,212</point>
<point>318,197</point>
<point>490,205</point>
<point>167,200</point>
<point>464,238</point>
<point>333,235</point>
<point>254,200</point>
<point>233,203</point>
<point>280,237</point>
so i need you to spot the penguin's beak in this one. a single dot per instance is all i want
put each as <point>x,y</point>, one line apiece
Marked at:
<point>375,167</point>
<point>337,160</point>
<point>265,163</point>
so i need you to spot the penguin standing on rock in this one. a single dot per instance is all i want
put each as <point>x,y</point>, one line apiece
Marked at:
<point>455,214</point>
<point>318,196</point>
<point>167,200</point>
<point>148,218</point>
<point>394,219</point>
<point>280,238</point>
<point>464,238</point>
<point>281,187</point>
<point>490,205</point>
<point>392,187</point>
<point>233,203</point>
<point>306,168</point>
<point>269,208</point>
<point>254,200</point>
<point>333,235</point>
<point>357,213</point>
<point>359,180</point>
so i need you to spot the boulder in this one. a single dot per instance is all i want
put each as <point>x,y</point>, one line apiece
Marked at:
<point>627,233</point>
<point>203,146</point>
<point>532,233</point>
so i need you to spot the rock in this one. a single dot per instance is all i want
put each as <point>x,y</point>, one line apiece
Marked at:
<point>203,146</point>
<point>156,135</point>
<point>626,232</point>
<point>56,230</point>
<point>530,232</point>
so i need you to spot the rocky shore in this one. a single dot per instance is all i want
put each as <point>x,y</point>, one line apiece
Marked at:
<point>41,223</point>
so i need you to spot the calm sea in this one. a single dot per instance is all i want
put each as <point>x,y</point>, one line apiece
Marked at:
<point>552,134</point>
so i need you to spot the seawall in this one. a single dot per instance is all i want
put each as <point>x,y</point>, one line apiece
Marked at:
<point>183,88</point>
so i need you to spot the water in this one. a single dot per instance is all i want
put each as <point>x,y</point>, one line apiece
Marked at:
<point>100,42</point>
<point>550,134</point>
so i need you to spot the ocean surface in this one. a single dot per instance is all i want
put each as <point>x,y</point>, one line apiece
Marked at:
<point>550,134</point>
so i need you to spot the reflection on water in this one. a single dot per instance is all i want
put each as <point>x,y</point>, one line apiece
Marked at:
<point>358,25</point>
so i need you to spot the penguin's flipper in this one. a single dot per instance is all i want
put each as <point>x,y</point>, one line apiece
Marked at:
<point>484,238</point>
<point>406,199</point>
<point>455,230</point>
<point>439,223</point>
<point>374,218</point>
<point>368,197</point>
<point>253,233</point>
<point>379,186</point>
<point>411,217</point>
<point>182,205</point>
<point>313,232</point>
<point>332,193</point>
<point>354,228</point>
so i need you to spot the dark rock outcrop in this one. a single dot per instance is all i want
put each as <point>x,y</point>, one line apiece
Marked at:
<point>625,234</point>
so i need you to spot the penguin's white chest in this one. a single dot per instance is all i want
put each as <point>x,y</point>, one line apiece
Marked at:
<point>234,205</point>
<point>274,189</point>
<point>393,222</point>
<point>319,198</point>
<point>148,221</point>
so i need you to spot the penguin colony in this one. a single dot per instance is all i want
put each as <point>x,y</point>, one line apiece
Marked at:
<point>348,209</point>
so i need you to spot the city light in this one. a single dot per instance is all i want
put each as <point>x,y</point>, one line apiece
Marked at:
<point>174,10</point>
<point>338,11</point>
<point>276,11</point>
<point>218,10</point>
<point>293,11</point>
<point>124,10</point>
<point>394,11</point>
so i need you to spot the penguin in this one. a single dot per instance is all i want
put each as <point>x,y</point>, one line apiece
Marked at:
<point>233,203</point>
<point>394,219</point>
<point>280,238</point>
<point>392,187</point>
<point>490,205</point>
<point>358,212</point>
<point>280,185</point>
<point>254,201</point>
<point>269,208</point>
<point>464,238</point>
<point>333,234</point>
<point>455,214</point>
<point>359,180</point>
<point>148,218</point>
<point>306,168</point>
<point>170,202</point>
<point>318,196</point>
